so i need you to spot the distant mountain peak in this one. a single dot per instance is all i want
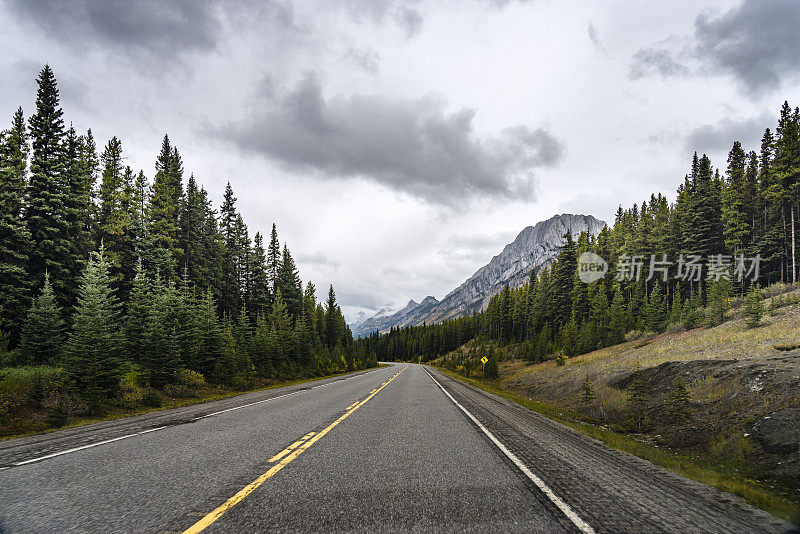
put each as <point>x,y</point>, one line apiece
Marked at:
<point>534,248</point>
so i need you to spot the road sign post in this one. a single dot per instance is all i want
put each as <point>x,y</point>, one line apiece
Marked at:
<point>483,369</point>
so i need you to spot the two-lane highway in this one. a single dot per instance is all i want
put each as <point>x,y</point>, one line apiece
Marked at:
<point>392,449</point>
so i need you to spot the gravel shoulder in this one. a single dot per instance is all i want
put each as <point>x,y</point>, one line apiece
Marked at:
<point>611,490</point>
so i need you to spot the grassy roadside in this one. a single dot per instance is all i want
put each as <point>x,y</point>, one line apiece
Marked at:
<point>757,494</point>
<point>119,413</point>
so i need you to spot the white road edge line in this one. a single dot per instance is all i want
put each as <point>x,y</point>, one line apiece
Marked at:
<point>564,507</point>
<point>126,436</point>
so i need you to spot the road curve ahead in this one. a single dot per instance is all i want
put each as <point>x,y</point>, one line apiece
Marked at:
<point>401,448</point>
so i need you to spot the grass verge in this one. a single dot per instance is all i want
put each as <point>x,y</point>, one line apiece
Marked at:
<point>119,413</point>
<point>757,494</point>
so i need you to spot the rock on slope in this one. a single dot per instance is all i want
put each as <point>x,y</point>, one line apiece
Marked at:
<point>534,248</point>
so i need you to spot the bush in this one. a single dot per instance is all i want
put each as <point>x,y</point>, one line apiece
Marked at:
<point>693,318</point>
<point>151,398</point>
<point>191,379</point>
<point>676,328</point>
<point>633,335</point>
<point>561,358</point>
<point>130,388</point>
<point>31,385</point>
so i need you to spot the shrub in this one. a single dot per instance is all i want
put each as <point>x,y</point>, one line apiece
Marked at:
<point>151,398</point>
<point>693,317</point>
<point>131,388</point>
<point>561,358</point>
<point>191,379</point>
<point>31,384</point>
<point>633,335</point>
<point>676,328</point>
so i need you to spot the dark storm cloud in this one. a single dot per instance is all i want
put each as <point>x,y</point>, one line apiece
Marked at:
<point>148,25</point>
<point>655,61</point>
<point>718,138</point>
<point>411,146</point>
<point>756,42</point>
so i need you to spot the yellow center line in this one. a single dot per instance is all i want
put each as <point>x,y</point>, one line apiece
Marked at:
<point>290,448</point>
<point>293,451</point>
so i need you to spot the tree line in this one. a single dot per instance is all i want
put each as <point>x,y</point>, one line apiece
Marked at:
<point>103,270</point>
<point>748,211</point>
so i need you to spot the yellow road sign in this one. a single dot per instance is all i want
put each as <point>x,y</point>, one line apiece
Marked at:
<point>484,360</point>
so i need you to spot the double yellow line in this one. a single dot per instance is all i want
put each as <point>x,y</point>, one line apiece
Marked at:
<point>283,458</point>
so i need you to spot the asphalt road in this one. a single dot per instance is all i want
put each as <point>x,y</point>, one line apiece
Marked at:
<point>394,449</point>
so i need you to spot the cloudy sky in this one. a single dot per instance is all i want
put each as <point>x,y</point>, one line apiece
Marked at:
<point>399,145</point>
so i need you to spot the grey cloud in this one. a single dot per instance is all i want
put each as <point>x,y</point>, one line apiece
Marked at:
<point>655,61</point>
<point>718,138</point>
<point>367,60</point>
<point>160,27</point>
<point>317,258</point>
<point>757,41</point>
<point>410,20</point>
<point>411,146</point>
<point>595,39</point>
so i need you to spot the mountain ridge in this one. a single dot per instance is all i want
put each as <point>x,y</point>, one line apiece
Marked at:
<point>534,248</point>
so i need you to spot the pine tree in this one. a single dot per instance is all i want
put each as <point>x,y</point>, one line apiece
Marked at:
<point>561,279</point>
<point>137,321</point>
<point>45,211</point>
<point>736,219</point>
<point>638,402</point>
<point>258,290</point>
<point>230,292</point>
<point>675,314</point>
<point>43,335</point>
<point>587,393</point>
<point>273,259</point>
<point>331,324</point>
<point>163,219</point>
<point>212,343</point>
<point>289,285</point>
<point>162,360</point>
<point>656,309</point>
<point>753,307</point>
<point>677,409</point>
<point>95,344</point>
<point>618,320</point>
<point>15,240</point>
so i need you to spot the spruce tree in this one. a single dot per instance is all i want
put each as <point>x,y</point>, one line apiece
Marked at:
<point>95,343</point>
<point>331,324</point>
<point>656,309</point>
<point>137,321</point>
<point>273,259</point>
<point>162,359</point>
<point>45,210</point>
<point>753,307</point>
<point>230,291</point>
<point>677,408</point>
<point>15,240</point>
<point>42,340</point>
<point>289,285</point>
<point>212,342</point>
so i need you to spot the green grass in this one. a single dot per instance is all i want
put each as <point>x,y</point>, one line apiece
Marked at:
<point>760,495</point>
<point>119,413</point>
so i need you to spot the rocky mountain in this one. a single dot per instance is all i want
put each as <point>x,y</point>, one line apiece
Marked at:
<point>383,320</point>
<point>534,248</point>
